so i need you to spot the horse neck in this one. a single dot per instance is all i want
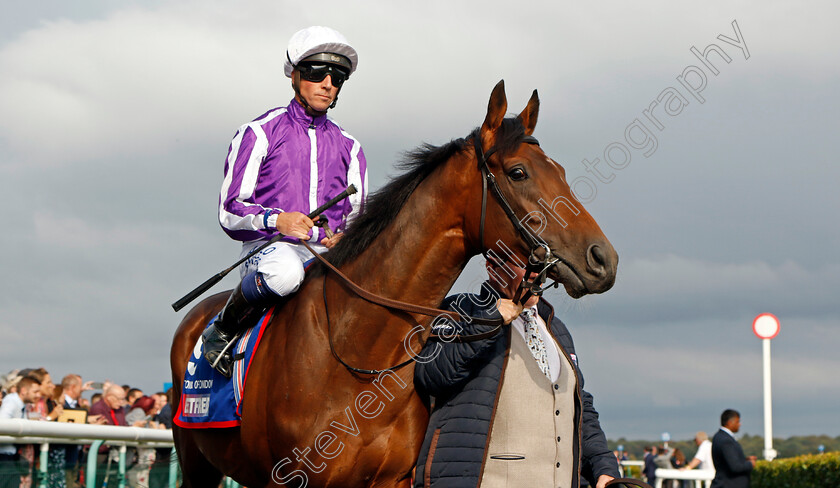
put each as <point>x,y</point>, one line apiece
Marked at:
<point>418,257</point>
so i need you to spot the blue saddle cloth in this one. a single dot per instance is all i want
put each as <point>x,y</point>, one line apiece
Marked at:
<point>208,399</point>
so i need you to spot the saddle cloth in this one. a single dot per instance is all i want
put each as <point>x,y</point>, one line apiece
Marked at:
<point>208,399</point>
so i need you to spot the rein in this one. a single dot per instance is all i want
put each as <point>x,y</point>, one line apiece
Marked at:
<point>536,266</point>
<point>400,306</point>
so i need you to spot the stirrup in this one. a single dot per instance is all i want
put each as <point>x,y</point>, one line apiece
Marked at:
<point>219,359</point>
<point>223,354</point>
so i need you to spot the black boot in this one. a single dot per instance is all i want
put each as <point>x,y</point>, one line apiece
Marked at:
<point>219,336</point>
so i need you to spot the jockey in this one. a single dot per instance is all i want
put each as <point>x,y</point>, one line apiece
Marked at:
<point>279,168</point>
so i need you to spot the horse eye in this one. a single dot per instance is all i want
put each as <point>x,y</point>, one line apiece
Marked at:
<point>518,174</point>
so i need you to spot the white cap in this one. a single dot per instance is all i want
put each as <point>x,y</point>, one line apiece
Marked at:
<point>314,40</point>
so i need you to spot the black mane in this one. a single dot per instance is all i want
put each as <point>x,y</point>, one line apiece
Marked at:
<point>383,205</point>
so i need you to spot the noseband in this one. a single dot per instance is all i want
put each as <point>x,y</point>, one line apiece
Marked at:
<point>537,266</point>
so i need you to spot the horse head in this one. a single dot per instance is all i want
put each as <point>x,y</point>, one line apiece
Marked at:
<point>544,223</point>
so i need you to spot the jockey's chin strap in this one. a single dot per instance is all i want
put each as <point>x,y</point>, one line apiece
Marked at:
<point>537,266</point>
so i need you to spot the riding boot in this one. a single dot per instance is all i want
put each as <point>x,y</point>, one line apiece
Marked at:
<point>219,336</point>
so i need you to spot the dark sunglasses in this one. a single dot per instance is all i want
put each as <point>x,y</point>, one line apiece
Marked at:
<point>317,72</point>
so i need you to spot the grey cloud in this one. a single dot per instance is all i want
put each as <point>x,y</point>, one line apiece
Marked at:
<point>112,143</point>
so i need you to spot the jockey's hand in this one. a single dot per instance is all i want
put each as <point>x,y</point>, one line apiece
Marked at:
<point>509,309</point>
<point>332,241</point>
<point>294,224</point>
<point>603,480</point>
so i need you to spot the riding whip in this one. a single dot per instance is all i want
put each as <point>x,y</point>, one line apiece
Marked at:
<point>189,297</point>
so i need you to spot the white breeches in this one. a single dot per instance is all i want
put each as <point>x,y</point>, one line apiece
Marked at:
<point>281,264</point>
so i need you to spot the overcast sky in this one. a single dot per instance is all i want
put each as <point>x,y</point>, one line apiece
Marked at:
<point>115,118</point>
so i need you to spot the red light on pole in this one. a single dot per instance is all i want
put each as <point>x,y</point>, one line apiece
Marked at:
<point>766,326</point>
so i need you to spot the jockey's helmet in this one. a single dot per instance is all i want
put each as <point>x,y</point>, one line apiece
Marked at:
<point>320,45</point>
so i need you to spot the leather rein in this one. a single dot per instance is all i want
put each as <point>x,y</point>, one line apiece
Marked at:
<point>540,266</point>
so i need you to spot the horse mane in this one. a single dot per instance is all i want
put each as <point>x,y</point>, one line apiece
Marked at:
<point>382,206</point>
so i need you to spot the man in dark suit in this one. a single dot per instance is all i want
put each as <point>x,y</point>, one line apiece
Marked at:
<point>732,468</point>
<point>649,468</point>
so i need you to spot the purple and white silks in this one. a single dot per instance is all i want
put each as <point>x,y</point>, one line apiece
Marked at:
<point>287,161</point>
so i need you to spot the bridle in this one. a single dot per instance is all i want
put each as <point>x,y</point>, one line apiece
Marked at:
<point>536,266</point>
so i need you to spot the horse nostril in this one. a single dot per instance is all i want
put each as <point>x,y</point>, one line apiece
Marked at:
<point>596,260</point>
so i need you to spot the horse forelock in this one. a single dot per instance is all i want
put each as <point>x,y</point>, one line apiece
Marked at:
<point>383,205</point>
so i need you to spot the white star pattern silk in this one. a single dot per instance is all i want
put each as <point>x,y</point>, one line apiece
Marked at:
<point>535,342</point>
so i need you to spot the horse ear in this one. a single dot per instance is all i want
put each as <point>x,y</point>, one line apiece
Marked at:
<point>496,109</point>
<point>529,115</point>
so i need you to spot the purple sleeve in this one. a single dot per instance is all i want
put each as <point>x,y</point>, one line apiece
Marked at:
<point>239,214</point>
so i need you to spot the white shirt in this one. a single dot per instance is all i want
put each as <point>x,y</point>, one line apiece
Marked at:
<point>70,402</point>
<point>704,455</point>
<point>728,432</point>
<point>12,408</point>
<point>551,350</point>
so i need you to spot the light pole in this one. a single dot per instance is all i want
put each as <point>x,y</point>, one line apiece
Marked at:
<point>766,327</point>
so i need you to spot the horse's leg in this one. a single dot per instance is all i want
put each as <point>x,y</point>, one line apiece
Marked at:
<point>197,470</point>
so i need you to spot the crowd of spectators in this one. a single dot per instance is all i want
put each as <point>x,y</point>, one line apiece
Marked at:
<point>673,458</point>
<point>32,394</point>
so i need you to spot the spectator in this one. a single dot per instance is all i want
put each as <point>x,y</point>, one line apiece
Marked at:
<point>141,412</point>
<point>678,462</point>
<point>732,468</point>
<point>49,408</point>
<point>160,401</point>
<point>677,458</point>
<point>662,460</point>
<point>650,467</point>
<point>159,475</point>
<point>8,383</point>
<point>164,417</point>
<point>111,405</point>
<point>618,459</point>
<point>132,395</point>
<point>703,456</point>
<point>46,408</point>
<point>13,469</point>
<point>72,388</point>
<point>141,416</point>
<point>111,408</point>
<point>94,399</point>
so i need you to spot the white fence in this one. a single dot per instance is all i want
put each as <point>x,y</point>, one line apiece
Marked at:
<point>21,431</point>
<point>701,477</point>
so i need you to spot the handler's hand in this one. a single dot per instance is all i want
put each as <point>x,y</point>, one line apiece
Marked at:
<point>603,480</point>
<point>332,241</point>
<point>294,224</point>
<point>509,309</point>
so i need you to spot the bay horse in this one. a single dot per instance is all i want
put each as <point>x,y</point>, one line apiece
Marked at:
<point>307,419</point>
